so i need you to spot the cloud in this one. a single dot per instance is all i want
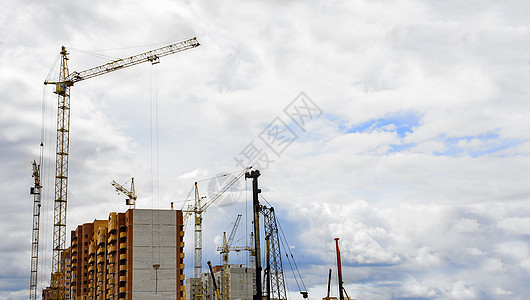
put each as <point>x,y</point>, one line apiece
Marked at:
<point>414,289</point>
<point>515,225</point>
<point>418,163</point>
<point>461,290</point>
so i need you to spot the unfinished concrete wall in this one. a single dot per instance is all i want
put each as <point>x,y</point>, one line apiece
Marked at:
<point>154,243</point>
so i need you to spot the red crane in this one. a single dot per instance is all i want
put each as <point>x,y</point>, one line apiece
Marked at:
<point>339,269</point>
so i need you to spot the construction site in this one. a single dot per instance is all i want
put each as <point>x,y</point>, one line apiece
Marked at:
<point>139,253</point>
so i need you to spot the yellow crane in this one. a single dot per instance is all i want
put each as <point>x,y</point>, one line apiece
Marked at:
<point>198,208</point>
<point>62,88</point>
<point>131,201</point>
<point>225,250</point>
<point>36,192</point>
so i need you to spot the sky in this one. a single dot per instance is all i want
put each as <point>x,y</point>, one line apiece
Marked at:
<point>397,126</point>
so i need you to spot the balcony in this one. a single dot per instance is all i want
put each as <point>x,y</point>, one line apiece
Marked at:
<point>123,235</point>
<point>122,279</point>
<point>101,240</point>
<point>101,251</point>
<point>111,238</point>
<point>101,260</point>
<point>91,260</point>
<point>111,249</point>
<point>111,270</point>
<point>91,268</point>
<point>113,222</point>
<point>123,268</point>
<point>122,289</point>
<point>91,249</point>
<point>123,246</point>
<point>123,256</point>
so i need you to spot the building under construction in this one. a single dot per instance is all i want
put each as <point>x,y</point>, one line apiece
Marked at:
<point>138,254</point>
<point>241,283</point>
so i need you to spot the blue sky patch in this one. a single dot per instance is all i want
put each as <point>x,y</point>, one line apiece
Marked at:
<point>490,143</point>
<point>401,147</point>
<point>402,123</point>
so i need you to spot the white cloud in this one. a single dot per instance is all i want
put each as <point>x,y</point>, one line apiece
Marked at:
<point>414,289</point>
<point>515,225</point>
<point>461,290</point>
<point>500,291</point>
<point>466,225</point>
<point>194,174</point>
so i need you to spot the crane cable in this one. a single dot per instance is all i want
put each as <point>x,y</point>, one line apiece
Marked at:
<point>45,176</point>
<point>155,171</point>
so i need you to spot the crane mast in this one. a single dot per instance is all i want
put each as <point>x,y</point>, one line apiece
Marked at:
<point>197,209</point>
<point>62,89</point>
<point>36,192</point>
<point>224,252</point>
<point>339,270</point>
<point>275,278</point>
<point>61,175</point>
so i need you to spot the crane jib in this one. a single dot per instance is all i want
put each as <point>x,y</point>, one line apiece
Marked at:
<point>153,56</point>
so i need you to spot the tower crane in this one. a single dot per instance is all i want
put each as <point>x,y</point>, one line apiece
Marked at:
<point>198,208</point>
<point>225,249</point>
<point>131,201</point>
<point>62,88</point>
<point>36,192</point>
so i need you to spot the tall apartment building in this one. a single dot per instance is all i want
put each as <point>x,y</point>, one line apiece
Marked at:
<point>138,254</point>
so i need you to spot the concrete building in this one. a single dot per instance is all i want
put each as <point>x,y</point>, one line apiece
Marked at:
<point>138,254</point>
<point>242,283</point>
